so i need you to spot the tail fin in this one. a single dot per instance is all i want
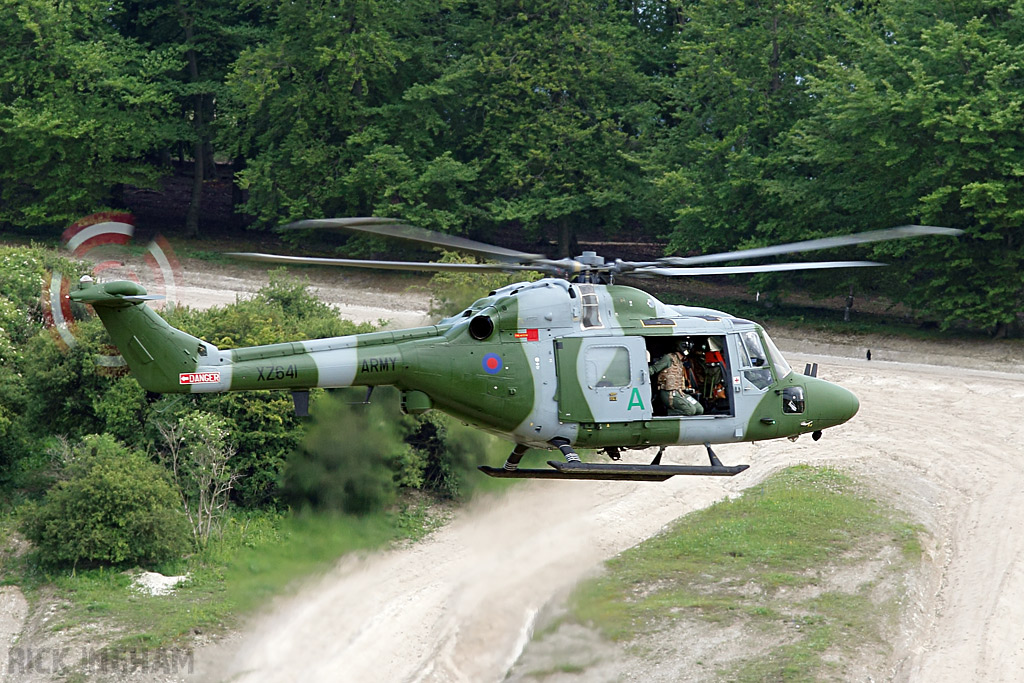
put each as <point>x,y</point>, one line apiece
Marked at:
<point>156,352</point>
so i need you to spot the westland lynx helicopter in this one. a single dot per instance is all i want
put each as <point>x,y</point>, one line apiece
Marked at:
<point>558,363</point>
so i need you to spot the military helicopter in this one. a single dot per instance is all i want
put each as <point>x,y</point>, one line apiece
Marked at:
<point>558,363</point>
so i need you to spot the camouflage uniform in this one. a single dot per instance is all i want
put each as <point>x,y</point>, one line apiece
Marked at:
<point>672,383</point>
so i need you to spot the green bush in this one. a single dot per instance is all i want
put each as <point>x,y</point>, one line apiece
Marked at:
<point>354,457</point>
<point>121,408</point>
<point>63,383</point>
<point>263,424</point>
<point>114,508</point>
<point>449,450</point>
<point>346,460</point>
<point>282,311</point>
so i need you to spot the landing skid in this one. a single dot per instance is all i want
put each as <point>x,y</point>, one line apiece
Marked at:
<point>574,469</point>
<point>613,471</point>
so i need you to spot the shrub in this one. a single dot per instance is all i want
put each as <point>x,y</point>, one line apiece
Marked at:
<point>349,457</point>
<point>115,508</point>
<point>449,451</point>
<point>122,408</point>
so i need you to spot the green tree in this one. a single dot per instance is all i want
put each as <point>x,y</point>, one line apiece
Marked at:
<point>205,38</point>
<point>464,118</point>
<point>198,454</point>
<point>923,127</point>
<point>552,97</point>
<point>735,81</point>
<point>78,118</point>
<point>332,118</point>
<point>114,508</point>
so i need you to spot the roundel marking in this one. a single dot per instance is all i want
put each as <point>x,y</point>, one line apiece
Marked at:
<point>492,363</point>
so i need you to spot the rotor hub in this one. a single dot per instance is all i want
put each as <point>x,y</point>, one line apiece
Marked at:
<point>590,258</point>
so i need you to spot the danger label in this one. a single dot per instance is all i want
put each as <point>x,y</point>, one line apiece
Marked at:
<point>199,378</point>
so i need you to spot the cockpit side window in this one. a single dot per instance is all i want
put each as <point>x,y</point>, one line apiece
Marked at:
<point>754,349</point>
<point>758,371</point>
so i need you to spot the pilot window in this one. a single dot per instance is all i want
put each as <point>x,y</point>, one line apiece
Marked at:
<point>782,368</point>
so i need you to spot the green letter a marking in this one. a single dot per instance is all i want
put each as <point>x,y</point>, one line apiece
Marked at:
<point>635,400</point>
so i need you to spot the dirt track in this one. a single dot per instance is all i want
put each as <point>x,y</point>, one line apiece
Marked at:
<point>940,440</point>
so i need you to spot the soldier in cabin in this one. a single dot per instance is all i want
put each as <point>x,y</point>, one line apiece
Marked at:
<point>675,382</point>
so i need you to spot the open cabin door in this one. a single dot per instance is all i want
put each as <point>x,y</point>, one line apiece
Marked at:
<point>602,379</point>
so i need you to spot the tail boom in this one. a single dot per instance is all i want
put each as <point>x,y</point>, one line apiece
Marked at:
<point>167,360</point>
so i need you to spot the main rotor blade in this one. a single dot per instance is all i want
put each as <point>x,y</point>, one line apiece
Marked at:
<point>388,265</point>
<point>897,233</point>
<point>391,227</point>
<point>768,268</point>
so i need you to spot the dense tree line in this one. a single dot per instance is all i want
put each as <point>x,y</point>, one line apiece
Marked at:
<point>711,124</point>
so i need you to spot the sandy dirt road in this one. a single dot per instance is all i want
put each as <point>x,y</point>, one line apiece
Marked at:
<point>940,438</point>
<point>938,433</point>
<point>401,301</point>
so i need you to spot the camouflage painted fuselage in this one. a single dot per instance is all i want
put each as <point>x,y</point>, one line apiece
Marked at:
<point>531,362</point>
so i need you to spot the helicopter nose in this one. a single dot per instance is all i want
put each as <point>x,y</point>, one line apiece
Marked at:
<point>835,404</point>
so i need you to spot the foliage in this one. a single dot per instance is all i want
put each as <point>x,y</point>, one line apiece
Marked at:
<point>23,272</point>
<point>555,106</point>
<point>198,455</point>
<point>65,382</point>
<point>72,397</point>
<point>450,452</point>
<point>355,457</point>
<point>713,125</point>
<point>921,127</point>
<point>734,78</point>
<point>347,460</point>
<point>263,424</point>
<point>115,507</point>
<point>76,119</point>
<point>283,310</point>
<point>361,137</point>
<point>122,409</point>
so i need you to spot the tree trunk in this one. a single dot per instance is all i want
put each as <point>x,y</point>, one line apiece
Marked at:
<point>567,245</point>
<point>195,202</point>
<point>209,163</point>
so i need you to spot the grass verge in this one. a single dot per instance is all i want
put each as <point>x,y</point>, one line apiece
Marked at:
<point>258,556</point>
<point>807,564</point>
